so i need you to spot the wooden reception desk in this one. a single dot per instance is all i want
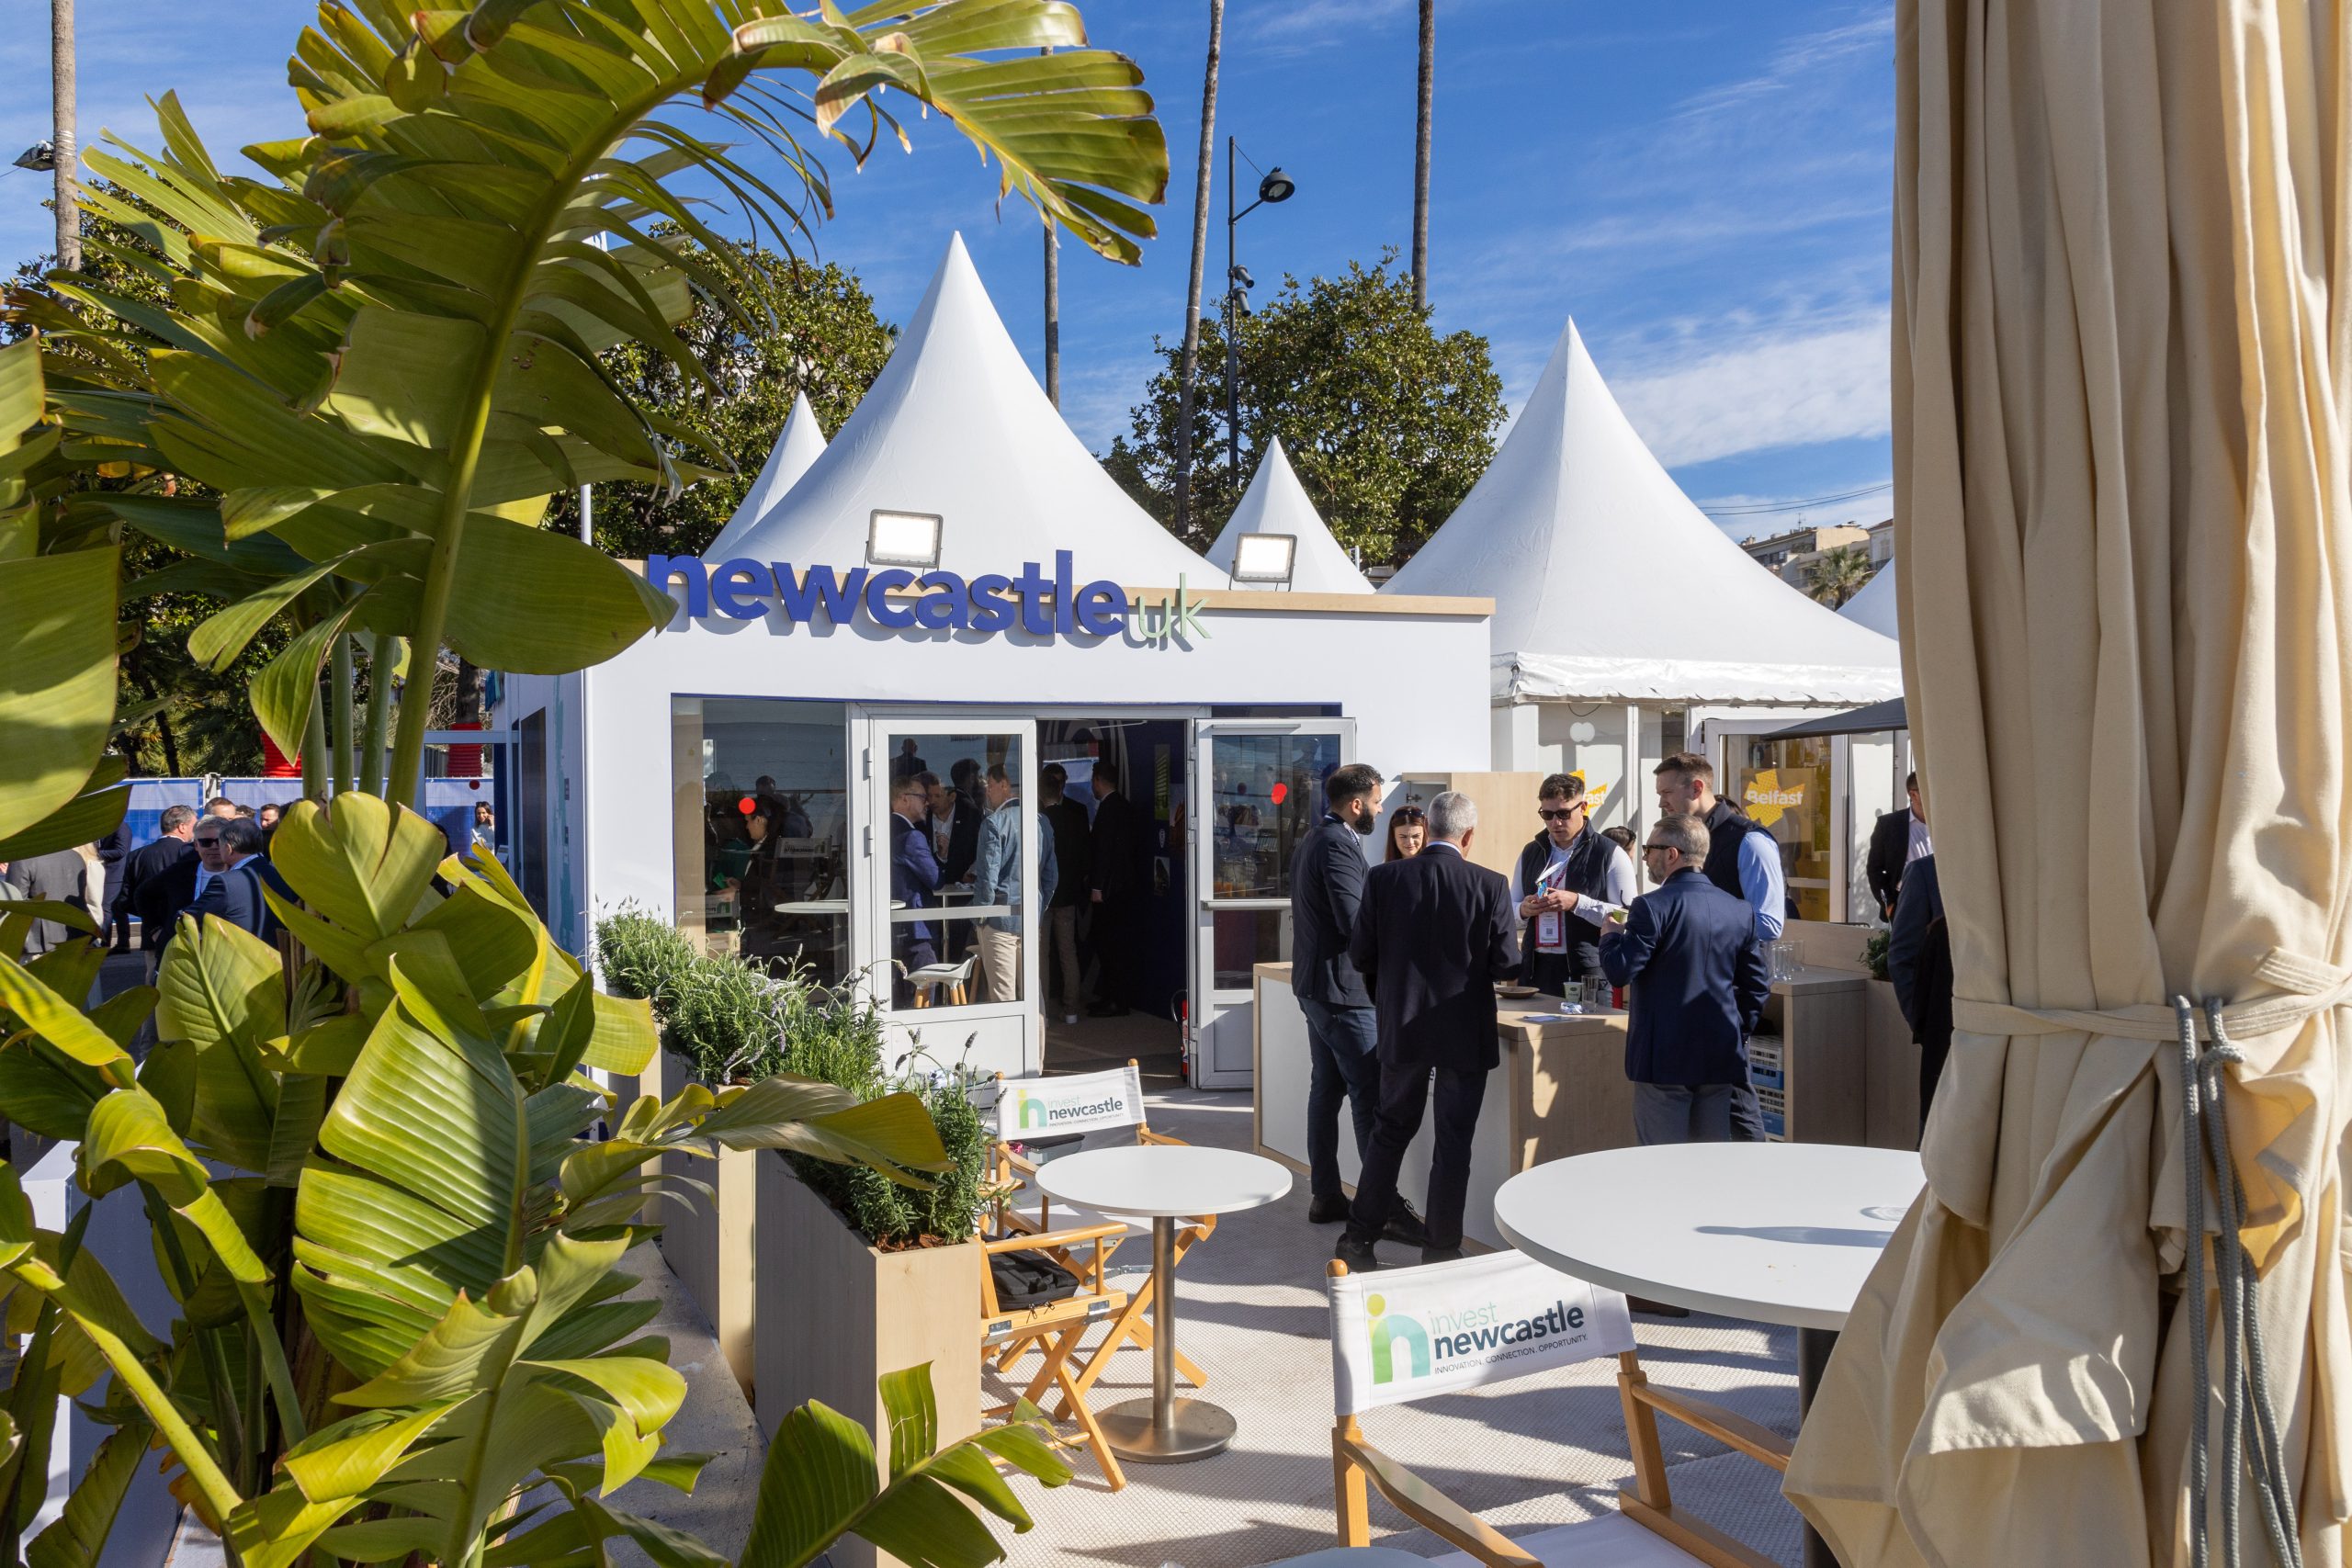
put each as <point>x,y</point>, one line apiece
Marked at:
<point>1561,1090</point>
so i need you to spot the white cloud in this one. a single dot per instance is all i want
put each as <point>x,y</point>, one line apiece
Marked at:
<point>1793,386</point>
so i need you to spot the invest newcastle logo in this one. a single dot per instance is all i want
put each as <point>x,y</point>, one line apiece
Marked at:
<point>1404,1346</point>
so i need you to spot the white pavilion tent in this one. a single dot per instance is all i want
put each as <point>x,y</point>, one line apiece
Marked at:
<point>797,445</point>
<point>1276,502</point>
<point>957,426</point>
<point>1627,625</point>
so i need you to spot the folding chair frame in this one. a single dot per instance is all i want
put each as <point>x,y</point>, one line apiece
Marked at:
<point>1132,1326</point>
<point>1056,1329</point>
<point>1357,1467</point>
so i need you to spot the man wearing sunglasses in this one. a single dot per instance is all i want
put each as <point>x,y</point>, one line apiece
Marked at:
<point>1688,957</point>
<point>1568,879</point>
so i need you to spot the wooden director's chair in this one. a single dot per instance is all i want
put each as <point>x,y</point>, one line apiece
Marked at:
<point>1021,1207</point>
<point>1053,1329</point>
<point>1383,1354</point>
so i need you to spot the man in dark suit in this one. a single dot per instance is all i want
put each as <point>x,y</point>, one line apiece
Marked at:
<point>1688,957</point>
<point>235,893</point>
<point>954,827</point>
<point>1071,831</point>
<point>914,877</point>
<point>1918,960</point>
<point>1116,883</point>
<point>1434,934</point>
<point>145,866</point>
<point>1326,878</point>
<point>1891,848</point>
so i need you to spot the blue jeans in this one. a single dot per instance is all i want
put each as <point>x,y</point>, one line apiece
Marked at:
<point>1682,1113</point>
<point>1341,1042</point>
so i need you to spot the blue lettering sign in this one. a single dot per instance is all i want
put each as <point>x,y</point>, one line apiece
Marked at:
<point>1046,606</point>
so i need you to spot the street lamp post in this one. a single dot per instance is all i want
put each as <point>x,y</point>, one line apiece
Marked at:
<point>1273,186</point>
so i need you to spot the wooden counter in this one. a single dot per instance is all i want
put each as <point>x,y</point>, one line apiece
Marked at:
<point>1561,1090</point>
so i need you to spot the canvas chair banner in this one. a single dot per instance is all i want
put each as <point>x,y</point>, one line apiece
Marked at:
<point>1045,1108</point>
<point>1404,1333</point>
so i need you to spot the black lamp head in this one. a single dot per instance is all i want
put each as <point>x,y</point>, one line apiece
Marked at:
<point>1276,186</point>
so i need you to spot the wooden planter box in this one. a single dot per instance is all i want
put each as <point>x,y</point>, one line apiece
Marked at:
<point>838,1313</point>
<point>711,1244</point>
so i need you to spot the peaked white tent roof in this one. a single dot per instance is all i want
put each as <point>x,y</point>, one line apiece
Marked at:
<point>1874,605</point>
<point>957,426</point>
<point>797,445</point>
<point>1276,502</point>
<point>1609,583</point>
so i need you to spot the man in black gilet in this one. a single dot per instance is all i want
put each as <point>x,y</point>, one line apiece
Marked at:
<point>1744,859</point>
<point>1567,875</point>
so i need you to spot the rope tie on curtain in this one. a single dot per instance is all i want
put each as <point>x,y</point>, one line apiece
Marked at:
<point>2304,986</point>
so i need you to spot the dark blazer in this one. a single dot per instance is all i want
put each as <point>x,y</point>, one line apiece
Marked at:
<point>144,870</point>
<point>1327,877</point>
<point>1432,936</point>
<point>1115,854</point>
<point>1688,955</point>
<point>914,872</point>
<point>236,896</point>
<point>1890,846</point>
<point>163,896</point>
<point>1918,956</point>
<point>1070,833</point>
<point>963,840</point>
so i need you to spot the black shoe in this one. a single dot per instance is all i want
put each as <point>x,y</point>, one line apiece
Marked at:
<point>1358,1256</point>
<point>1327,1211</point>
<point>1440,1254</point>
<point>1404,1225</point>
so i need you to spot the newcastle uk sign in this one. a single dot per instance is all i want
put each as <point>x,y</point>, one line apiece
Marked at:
<point>1044,606</point>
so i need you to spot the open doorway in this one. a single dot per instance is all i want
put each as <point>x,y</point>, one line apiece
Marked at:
<point>1112,961</point>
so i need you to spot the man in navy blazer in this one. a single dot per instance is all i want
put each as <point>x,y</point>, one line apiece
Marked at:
<point>1687,955</point>
<point>914,877</point>
<point>1432,936</point>
<point>234,894</point>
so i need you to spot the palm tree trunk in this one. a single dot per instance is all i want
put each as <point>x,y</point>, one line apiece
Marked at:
<point>61,134</point>
<point>1187,377</point>
<point>1421,157</point>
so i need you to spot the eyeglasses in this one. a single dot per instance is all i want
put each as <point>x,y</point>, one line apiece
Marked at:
<point>1648,848</point>
<point>1558,814</point>
<point>211,843</point>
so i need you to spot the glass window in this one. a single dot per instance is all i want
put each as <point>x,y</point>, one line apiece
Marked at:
<point>960,833</point>
<point>1244,939</point>
<point>1784,785</point>
<point>1266,795</point>
<point>760,829</point>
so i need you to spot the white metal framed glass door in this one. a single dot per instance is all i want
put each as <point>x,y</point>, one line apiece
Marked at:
<point>951,918</point>
<point>1257,793</point>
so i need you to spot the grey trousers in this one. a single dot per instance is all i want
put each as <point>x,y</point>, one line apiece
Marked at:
<point>1681,1113</point>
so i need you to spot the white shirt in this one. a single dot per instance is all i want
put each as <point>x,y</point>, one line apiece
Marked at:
<point>1921,844</point>
<point>203,880</point>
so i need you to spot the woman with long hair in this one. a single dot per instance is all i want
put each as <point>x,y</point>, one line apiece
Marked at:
<point>1408,832</point>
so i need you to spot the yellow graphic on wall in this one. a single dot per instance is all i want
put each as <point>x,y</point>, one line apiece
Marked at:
<point>1768,798</point>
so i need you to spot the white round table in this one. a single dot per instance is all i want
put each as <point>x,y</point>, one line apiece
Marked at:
<point>1164,1183</point>
<point>1774,1233</point>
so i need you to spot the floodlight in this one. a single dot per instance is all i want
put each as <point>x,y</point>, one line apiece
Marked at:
<point>1264,557</point>
<point>41,157</point>
<point>903,539</point>
<point>1276,186</point>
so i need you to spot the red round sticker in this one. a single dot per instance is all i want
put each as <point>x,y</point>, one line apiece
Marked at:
<point>1280,792</point>
<point>747,806</point>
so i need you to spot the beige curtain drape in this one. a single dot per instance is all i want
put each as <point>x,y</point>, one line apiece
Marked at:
<point>2121,391</point>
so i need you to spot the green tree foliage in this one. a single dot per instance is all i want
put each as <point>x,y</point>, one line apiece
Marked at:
<point>797,328</point>
<point>1836,576</point>
<point>1387,423</point>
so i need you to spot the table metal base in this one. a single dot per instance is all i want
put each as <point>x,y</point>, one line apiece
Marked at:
<point>1194,1430</point>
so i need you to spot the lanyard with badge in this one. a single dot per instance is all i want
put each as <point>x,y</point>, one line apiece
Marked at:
<point>1551,926</point>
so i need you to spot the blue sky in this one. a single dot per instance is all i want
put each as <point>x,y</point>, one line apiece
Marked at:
<point>1704,186</point>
